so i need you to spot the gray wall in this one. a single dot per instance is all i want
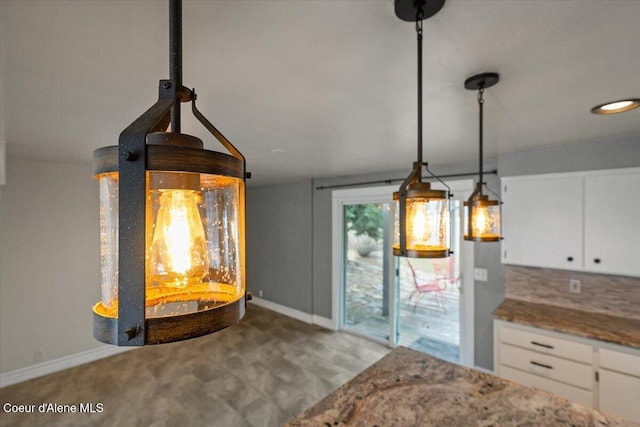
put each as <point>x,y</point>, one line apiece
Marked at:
<point>572,157</point>
<point>279,238</point>
<point>488,295</point>
<point>50,262</point>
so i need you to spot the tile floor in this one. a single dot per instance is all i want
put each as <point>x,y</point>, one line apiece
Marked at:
<point>261,372</point>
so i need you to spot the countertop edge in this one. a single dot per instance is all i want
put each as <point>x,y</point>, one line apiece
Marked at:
<point>595,326</point>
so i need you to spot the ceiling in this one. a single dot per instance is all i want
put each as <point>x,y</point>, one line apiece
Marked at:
<point>319,88</point>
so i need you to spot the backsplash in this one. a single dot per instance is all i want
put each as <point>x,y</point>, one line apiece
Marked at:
<point>614,295</point>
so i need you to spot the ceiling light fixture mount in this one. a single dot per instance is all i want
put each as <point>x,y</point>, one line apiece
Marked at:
<point>482,215</point>
<point>171,223</point>
<point>408,10</point>
<point>421,226</point>
<point>616,107</point>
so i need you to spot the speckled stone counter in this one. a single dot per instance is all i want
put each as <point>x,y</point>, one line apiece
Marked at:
<point>408,388</point>
<point>597,326</point>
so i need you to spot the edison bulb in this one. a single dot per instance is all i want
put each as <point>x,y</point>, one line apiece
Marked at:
<point>481,220</point>
<point>421,231</point>
<point>179,248</point>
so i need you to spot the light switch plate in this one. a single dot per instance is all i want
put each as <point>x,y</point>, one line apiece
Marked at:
<point>480,274</point>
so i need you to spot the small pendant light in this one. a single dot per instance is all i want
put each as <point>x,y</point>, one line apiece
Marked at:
<point>171,224</point>
<point>482,215</point>
<point>421,213</point>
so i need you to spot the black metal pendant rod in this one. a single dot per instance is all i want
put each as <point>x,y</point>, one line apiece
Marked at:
<point>480,105</point>
<point>480,82</point>
<point>419,34</point>
<point>175,57</point>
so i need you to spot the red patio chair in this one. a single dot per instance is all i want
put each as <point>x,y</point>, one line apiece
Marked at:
<point>435,283</point>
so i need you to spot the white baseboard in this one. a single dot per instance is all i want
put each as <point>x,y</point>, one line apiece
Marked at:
<point>325,322</point>
<point>313,319</point>
<point>55,365</point>
<point>283,309</point>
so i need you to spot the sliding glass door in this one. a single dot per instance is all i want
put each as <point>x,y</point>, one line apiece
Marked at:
<point>418,303</point>
<point>363,266</point>
<point>366,268</point>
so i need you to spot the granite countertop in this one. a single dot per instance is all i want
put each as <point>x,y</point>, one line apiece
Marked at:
<point>408,388</point>
<point>597,326</point>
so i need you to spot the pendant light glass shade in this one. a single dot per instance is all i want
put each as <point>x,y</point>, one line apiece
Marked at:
<point>427,222</point>
<point>482,216</point>
<point>193,240</point>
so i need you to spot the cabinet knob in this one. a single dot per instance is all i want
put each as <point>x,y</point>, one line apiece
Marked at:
<point>597,260</point>
<point>569,258</point>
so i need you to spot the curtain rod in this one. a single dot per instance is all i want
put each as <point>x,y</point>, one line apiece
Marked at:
<point>389,181</point>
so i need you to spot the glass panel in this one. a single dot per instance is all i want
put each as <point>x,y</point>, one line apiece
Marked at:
<point>426,225</point>
<point>366,300</point>
<point>194,237</point>
<point>194,255</point>
<point>109,238</point>
<point>428,314</point>
<point>485,221</point>
<point>223,209</point>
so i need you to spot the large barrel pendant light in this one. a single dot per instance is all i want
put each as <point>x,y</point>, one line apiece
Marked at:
<point>482,215</point>
<point>421,213</point>
<point>171,224</point>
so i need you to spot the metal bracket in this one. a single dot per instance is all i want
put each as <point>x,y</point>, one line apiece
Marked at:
<point>219,136</point>
<point>132,197</point>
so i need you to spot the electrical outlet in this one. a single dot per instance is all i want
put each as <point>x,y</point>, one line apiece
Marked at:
<point>37,356</point>
<point>480,274</point>
<point>260,293</point>
<point>575,286</point>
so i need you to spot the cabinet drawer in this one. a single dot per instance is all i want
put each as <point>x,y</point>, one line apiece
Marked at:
<point>575,394</point>
<point>620,362</point>
<point>555,368</point>
<point>547,345</point>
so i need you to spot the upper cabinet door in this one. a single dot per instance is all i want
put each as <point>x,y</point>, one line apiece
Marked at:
<point>542,222</point>
<point>612,224</point>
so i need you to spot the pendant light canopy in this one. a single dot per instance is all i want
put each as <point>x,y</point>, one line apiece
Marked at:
<point>482,215</point>
<point>171,224</point>
<point>421,213</point>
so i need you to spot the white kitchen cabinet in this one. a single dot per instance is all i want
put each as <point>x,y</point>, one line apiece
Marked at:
<point>620,383</point>
<point>612,224</point>
<point>583,221</point>
<point>597,374</point>
<point>542,221</point>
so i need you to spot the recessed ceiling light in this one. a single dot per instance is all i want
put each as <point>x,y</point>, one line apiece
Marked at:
<point>616,106</point>
<point>278,150</point>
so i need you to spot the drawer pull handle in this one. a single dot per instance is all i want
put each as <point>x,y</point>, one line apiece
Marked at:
<point>542,365</point>
<point>542,345</point>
